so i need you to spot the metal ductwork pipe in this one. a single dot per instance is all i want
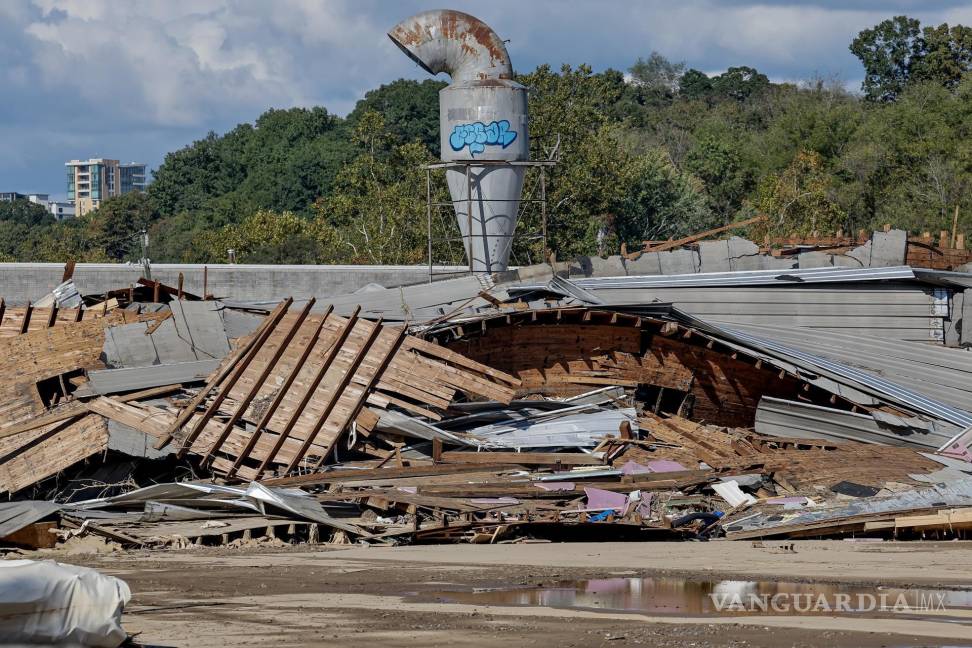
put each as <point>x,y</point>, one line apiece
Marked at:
<point>482,119</point>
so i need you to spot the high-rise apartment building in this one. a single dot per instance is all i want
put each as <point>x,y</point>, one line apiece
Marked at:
<point>91,181</point>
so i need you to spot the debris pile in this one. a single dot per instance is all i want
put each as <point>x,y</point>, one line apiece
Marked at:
<point>524,406</point>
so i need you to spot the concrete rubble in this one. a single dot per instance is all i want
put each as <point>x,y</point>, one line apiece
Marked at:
<point>589,400</point>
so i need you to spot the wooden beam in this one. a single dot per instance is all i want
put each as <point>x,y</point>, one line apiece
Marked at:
<point>139,418</point>
<point>336,394</point>
<point>68,271</point>
<point>77,409</point>
<point>281,393</point>
<point>228,369</point>
<point>268,368</point>
<point>233,378</point>
<point>151,392</point>
<point>701,235</point>
<point>328,361</point>
<point>375,378</point>
<point>955,225</point>
<point>521,458</point>
<point>377,474</point>
<point>52,316</point>
<point>154,326</point>
<point>26,321</point>
<point>69,411</point>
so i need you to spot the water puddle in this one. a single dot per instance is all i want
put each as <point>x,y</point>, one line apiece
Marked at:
<point>676,596</point>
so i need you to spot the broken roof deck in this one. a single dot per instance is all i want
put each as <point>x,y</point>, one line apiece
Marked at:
<point>488,407</point>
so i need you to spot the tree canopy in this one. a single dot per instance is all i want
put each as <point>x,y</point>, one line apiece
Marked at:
<point>898,52</point>
<point>661,151</point>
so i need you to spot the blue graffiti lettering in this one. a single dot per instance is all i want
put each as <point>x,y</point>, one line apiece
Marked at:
<point>477,136</point>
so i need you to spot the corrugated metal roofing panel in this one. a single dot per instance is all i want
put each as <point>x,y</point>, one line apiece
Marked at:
<point>916,400</point>
<point>14,516</point>
<point>938,371</point>
<point>958,493</point>
<point>419,302</point>
<point>784,418</point>
<point>901,311</point>
<point>749,278</point>
<point>113,381</point>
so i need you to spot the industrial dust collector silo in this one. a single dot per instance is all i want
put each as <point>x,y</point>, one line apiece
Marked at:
<point>483,121</point>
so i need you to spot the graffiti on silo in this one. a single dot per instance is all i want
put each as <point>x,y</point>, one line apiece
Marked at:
<point>477,136</point>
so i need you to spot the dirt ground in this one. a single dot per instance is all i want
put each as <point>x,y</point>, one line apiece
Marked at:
<point>379,597</point>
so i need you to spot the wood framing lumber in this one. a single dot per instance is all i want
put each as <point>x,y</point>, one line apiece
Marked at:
<point>669,245</point>
<point>281,392</point>
<point>522,458</point>
<point>233,371</point>
<point>267,370</point>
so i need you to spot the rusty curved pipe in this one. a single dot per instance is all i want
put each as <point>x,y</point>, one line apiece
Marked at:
<point>450,41</point>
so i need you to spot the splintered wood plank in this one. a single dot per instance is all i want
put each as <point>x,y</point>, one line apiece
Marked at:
<point>45,353</point>
<point>258,381</point>
<point>152,421</point>
<point>337,334</point>
<point>308,392</point>
<point>293,371</point>
<point>523,458</point>
<point>337,390</point>
<point>28,458</point>
<point>443,353</point>
<point>231,372</point>
<point>308,381</point>
<point>360,396</point>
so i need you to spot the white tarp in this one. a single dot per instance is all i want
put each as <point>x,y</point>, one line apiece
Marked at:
<point>49,603</point>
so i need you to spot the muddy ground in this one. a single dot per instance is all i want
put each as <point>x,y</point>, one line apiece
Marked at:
<point>389,597</point>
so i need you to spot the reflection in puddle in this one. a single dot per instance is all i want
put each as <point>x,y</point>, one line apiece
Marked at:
<point>719,598</point>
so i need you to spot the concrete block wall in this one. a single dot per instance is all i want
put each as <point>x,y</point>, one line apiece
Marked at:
<point>20,282</point>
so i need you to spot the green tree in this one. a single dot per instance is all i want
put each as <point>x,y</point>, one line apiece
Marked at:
<point>410,110</point>
<point>661,201</point>
<point>737,83</point>
<point>115,226</point>
<point>567,113</point>
<point>797,201</point>
<point>947,55</point>
<point>657,74</point>
<point>263,237</point>
<point>897,52</point>
<point>376,211</point>
<point>888,52</point>
<point>695,85</point>
<point>716,161</point>
<point>740,83</point>
<point>285,161</point>
<point>25,212</point>
<point>13,234</point>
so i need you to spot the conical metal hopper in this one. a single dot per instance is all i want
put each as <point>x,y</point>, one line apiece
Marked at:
<point>495,199</point>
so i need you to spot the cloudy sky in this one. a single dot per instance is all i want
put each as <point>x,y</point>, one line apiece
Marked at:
<point>134,80</point>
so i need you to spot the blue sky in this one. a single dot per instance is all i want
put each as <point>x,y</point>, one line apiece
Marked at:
<point>134,80</point>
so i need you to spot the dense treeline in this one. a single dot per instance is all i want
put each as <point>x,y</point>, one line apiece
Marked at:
<point>664,151</point>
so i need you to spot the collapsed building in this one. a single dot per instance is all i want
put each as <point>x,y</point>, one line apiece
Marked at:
<point>536,403</point>
<point>805,389</point>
